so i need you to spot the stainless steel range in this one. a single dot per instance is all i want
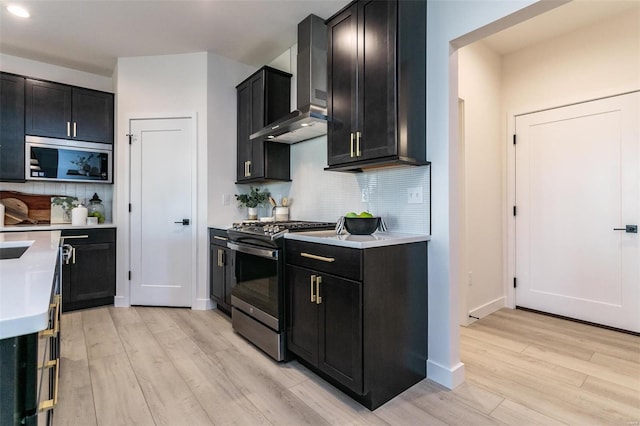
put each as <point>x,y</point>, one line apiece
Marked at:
<point>257,298</point>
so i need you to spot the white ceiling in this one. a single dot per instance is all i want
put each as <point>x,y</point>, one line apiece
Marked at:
<point>90,35</point>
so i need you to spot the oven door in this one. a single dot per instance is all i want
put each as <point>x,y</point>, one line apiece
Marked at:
<point>257,290</point>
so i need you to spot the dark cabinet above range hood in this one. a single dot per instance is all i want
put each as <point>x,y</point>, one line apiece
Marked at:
<point>310,119</point>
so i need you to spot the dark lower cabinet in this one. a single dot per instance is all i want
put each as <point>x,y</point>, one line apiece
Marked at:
<point>11,128</point>
<point>327,331</point>
<point>89,279</point>
<point>221,264</point>
<point>358,318</point>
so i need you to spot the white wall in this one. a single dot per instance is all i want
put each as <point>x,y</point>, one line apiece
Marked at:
<point>459,22</point>
<point>223,75</point>
<point>599,60</point>
<point>480,87</point>
<point>161,86</point>
<point>596,61</point>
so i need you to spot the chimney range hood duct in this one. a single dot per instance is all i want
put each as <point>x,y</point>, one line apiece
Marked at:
<point>310,119</point>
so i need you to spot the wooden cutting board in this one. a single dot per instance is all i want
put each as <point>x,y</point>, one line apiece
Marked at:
<point>39,206</point>
<point>15,211</point>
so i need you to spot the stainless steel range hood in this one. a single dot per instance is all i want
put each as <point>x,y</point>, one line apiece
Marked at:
<point>310,119</point>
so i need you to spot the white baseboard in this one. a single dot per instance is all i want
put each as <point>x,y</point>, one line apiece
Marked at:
<point>121,302</point>
<point>488,308</point>
<point>447,377</point>
<point>203,304</point>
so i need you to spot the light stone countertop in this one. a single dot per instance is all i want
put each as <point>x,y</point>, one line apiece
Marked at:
<point>377,239</point>
<point>52,227</point>
<point>26,283</point>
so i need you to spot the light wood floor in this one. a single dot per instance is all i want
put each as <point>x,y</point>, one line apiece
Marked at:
<point>145,366</point>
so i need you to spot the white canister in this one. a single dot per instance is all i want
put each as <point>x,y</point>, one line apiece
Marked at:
<point>1,215</point>
<point>79,216</point>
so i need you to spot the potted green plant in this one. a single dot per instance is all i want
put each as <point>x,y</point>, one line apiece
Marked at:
<point>252,200</point>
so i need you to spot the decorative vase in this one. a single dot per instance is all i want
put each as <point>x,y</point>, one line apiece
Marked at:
<point>252,213</point>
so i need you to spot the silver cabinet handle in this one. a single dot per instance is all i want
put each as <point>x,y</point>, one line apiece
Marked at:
<point>318,297</point>
<point>351,142</point>
<point>313,289</point>
<point>75,125</point>
<point>220,238</point>
<point>358,152</point>
<point>68,129</point>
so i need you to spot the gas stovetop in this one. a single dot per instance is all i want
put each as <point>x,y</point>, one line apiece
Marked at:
<point>272,230</point>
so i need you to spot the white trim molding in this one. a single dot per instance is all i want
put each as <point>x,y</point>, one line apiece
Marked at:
<point>447,377</point>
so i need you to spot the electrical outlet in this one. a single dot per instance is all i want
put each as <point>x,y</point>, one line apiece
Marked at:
<point>470,278</point>
<point>226,199</point>
<point>414,195</point>
<point>365,195</point>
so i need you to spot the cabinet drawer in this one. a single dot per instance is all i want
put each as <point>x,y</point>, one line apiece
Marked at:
<point>339,261</point>
<point>89,236</point>
<point>218,236</point>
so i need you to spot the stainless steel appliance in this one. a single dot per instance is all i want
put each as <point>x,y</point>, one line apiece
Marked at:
<point>68,160</point>
<point>257,298</point>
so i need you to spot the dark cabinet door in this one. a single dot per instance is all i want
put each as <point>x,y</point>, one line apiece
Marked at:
<point>302,318</point>
<point>89,279</point>
<point>217,273</point>
<point>325,323</point>
<point>342,86</point>
<point>340,330</point>
<point>376,79</point>
<point>48,109</point>
<point>229,268</point>
<point>92,115</point>
<point>12,89</point>
<point>244,130</point>
<point>256,168</point>
<point>66,112</point>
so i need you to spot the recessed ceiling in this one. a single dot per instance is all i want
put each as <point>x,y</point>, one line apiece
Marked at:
<point>561,20</point>
<point>90,35</point>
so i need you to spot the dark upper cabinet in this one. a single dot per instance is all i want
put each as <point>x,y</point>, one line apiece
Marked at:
<point>377,85</point>
<point>263,98</point>
<point>89,279</point>
<point>68,112</point>
<point>11,128</point>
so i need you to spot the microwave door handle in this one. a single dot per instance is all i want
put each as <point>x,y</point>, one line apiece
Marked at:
<point>269,254</point>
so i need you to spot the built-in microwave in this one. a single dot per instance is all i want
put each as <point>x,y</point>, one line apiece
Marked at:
<point>67,160</point>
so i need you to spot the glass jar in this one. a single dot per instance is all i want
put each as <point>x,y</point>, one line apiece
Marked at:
<point>96,208</point>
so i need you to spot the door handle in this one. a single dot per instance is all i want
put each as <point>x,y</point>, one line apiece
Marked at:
<point>185,222</point>
<point>629,229</point>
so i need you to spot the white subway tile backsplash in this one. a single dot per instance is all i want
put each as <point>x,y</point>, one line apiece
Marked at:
<point>317,194</point>
<point>84,191</point>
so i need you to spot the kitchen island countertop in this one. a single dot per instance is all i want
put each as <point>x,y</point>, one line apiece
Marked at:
<point>377,239</point>
<point>26,283</point>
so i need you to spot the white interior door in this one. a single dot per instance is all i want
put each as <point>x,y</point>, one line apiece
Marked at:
<point>162,245</point>
<point>576,180</point>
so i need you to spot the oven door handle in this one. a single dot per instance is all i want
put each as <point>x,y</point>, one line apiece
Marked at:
<point>269,254</point>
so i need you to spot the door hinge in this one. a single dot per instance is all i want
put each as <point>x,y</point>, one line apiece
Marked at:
<point>514,139</point>
<point>130,136</point>
<point>129,275</point>
<point>129,207</point>
<point>515,210</point>
<point>515,284</point>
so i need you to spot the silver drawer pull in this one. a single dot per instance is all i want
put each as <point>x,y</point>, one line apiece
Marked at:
<point>316,257</point>
<point>74,237</point>
<point>313,289</point>
<point>220,238</point>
